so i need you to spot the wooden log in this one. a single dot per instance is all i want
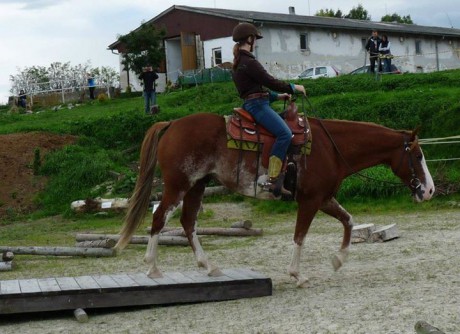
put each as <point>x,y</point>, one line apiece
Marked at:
<point>100,204</point>
<point>7,256</point>
<point>60,251</point>
<point>247,224</point>
<point>104,243</point>
<point>80,315</point>
<point>385,233</point>
<point>136,239</point>
<point>422,327</point>
<point>209,191</point>
<point>362,233</point>
<point>222,231</point>
<point>6,266</point>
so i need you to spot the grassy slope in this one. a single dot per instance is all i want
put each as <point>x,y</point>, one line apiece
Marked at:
<point>398,101</point>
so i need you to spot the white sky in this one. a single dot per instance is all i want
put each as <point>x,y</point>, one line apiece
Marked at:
<point>40,32</point>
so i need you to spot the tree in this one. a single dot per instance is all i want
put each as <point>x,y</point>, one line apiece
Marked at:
<point>397,18</point>
<point>58,76</point>
<point>329,13</point>
<point>141,47</point>
<point>358,13</point>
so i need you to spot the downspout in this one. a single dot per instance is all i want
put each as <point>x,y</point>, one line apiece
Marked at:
<point>437,54</point>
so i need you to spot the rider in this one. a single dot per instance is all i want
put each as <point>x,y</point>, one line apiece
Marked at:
<point>250,77</point>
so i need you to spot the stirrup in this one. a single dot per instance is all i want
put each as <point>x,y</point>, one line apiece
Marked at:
<point>276,187</point>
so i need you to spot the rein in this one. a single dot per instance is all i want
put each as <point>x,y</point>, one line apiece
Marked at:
<point>415,183</point>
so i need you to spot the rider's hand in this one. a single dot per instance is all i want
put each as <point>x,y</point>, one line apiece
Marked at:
<point>300,89</point>
<point>284,96</point>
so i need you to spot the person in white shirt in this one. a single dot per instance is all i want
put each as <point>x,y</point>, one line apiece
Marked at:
<point>384,49</point>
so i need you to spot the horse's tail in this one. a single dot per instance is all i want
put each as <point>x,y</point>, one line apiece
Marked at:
<point>139,201</point>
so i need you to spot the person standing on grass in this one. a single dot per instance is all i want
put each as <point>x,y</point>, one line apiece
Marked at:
<point>91,85</point>
<point>148,77</point>
<point>372,46</point>
<point>384,49</point>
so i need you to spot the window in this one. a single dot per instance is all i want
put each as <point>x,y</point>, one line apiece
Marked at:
<point>418,47</point>
<point>320,70</point>
<point>363,42</point>
<point>303,42</point>
<point>217,56</point>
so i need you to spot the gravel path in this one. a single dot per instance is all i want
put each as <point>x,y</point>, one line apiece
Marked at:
<point>383,288</point>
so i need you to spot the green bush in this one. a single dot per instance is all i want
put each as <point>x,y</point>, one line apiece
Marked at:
<point>73,172</point>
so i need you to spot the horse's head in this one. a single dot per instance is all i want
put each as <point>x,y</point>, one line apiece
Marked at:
<point>411,168</point>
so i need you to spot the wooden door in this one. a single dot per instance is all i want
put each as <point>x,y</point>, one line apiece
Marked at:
<point>188,47</point>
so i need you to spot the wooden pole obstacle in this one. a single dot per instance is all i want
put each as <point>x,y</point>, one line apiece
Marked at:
<point>132,289</point>
<point>121,204</point>
<point>369,233</point>
<point>136,239</point>
<point>7,265</point>
<point>59,251</point>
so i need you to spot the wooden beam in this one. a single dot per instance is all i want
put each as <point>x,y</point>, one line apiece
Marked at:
<point>385,233</point>
<point>362,233</point>
<point>60,251</point>
<point>136,239</point>
<point>221,231</point>
<point>104,243</point>
<point>6,266</point>
<point>8,256</point>
<point>247,224</point>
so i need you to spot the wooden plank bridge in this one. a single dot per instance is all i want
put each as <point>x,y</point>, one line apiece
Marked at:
<point>105,291</point>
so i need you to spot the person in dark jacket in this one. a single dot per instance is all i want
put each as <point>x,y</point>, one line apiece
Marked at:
<point>148,77</point>
<point>372,46</point>
<point>250,79</point>
<point>22,99</point>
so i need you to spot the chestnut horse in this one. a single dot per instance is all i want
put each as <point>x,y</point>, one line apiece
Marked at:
<point>193,149</point>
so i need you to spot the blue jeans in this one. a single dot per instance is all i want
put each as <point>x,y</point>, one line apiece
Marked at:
<point>262,112</point>
<point>387,65</point>
<point>150,99</point>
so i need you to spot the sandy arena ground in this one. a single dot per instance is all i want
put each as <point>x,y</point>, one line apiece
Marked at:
<point>383,288</point>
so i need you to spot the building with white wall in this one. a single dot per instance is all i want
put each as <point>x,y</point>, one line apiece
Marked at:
<point>198,38</point>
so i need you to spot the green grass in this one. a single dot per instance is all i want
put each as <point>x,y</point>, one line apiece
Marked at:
<point>111,132</point>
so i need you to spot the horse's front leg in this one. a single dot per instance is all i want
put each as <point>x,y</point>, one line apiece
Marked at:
<point>190,209</point>
<point>305,213</point>
<point>334,209</point>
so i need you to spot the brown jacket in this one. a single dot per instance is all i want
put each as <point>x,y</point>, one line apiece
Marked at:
<point>250,77</point>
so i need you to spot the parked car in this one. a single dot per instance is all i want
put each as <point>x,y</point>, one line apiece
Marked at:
<point>367,69</point>
<point>319,71</point>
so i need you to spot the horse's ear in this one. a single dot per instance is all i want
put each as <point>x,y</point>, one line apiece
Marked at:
<point>415,133</point>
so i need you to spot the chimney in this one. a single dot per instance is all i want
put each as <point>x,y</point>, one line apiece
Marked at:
<point>292,10</point>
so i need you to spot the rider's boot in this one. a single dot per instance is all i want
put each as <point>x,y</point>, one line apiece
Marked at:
<point>276,177</point>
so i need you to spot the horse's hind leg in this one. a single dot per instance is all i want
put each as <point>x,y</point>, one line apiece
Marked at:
<point>190,209</point>
<point>168,205</point>
<point>305,213</point>
<point>334,209</point>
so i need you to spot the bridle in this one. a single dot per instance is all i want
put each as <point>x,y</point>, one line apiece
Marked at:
<point>415,184</point>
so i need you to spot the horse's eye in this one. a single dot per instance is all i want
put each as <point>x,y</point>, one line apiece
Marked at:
<point>419,157</point>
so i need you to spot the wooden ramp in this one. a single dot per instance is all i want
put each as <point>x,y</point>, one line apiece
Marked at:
<point>104,291</point>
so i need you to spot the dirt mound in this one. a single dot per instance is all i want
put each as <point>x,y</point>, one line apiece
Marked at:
<point>18,185</point>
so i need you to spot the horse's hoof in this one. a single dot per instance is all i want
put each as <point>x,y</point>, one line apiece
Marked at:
<point>339,259</point>
<point>303,282</point>
<point>215,272</point>
<point>336,262</point>
<point>154,273</point>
